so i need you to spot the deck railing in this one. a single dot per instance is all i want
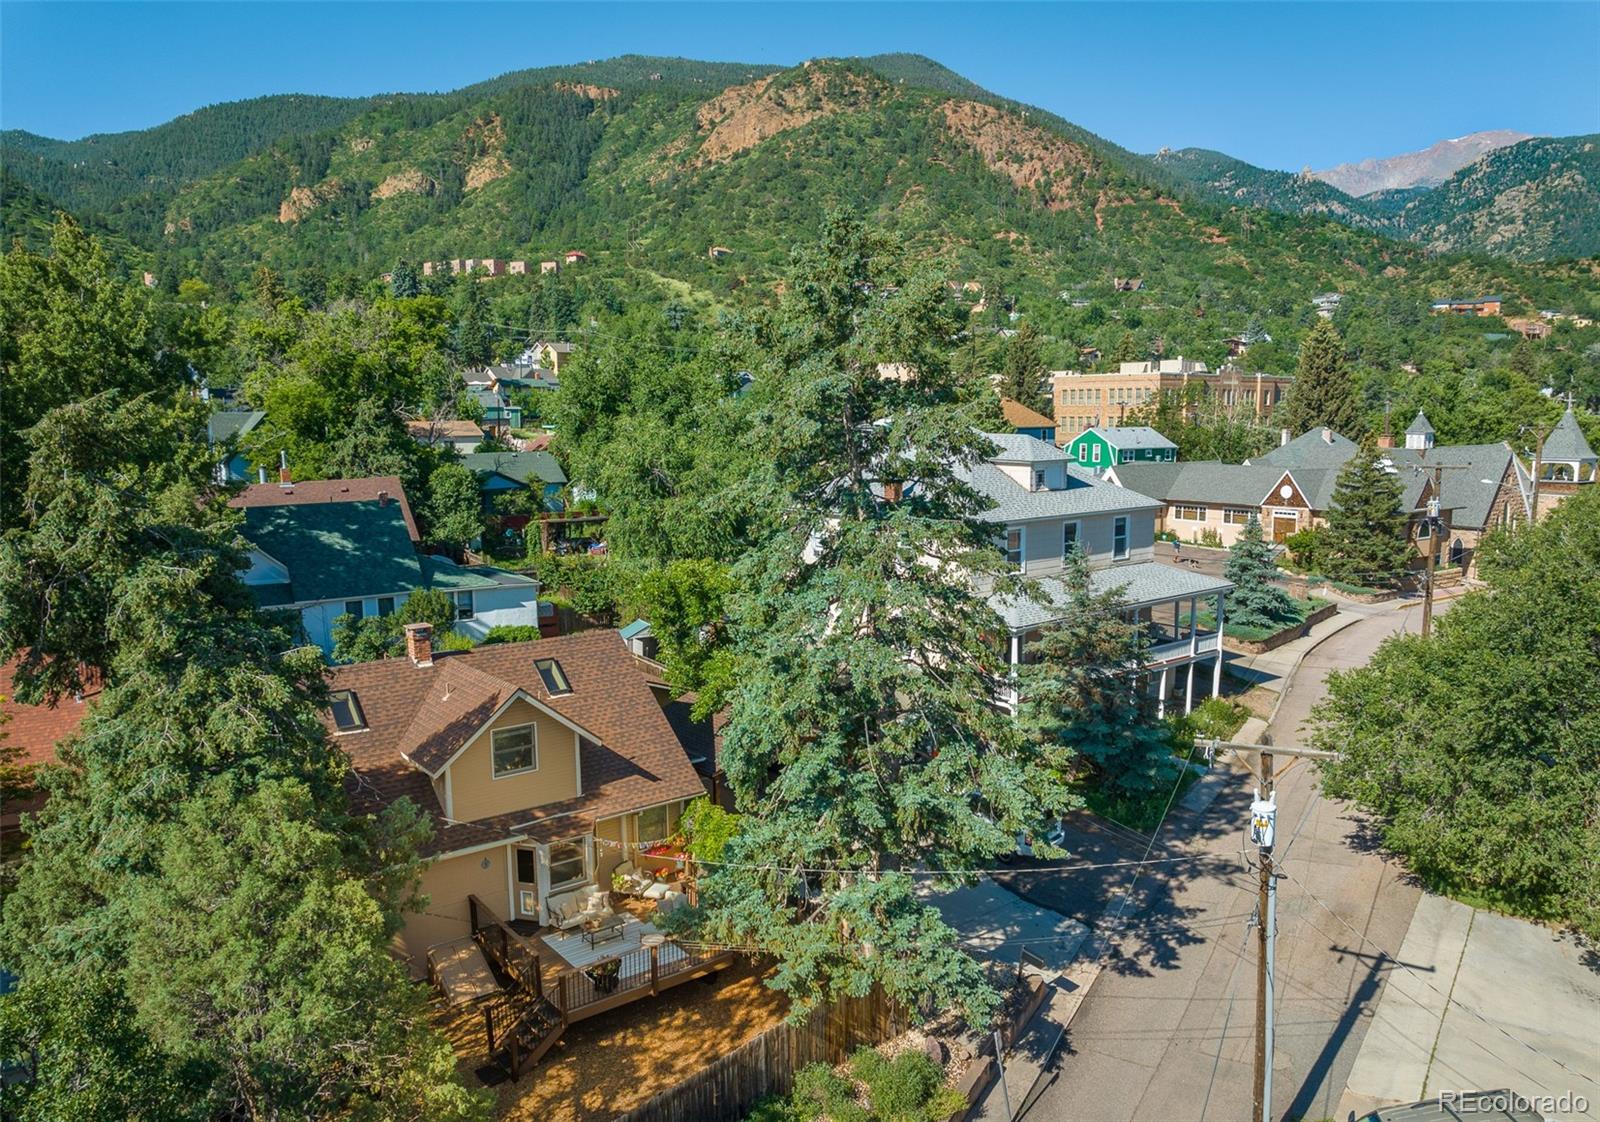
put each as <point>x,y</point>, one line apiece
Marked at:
<point>635,974</point>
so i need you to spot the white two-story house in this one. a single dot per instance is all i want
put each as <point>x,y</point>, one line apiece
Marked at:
<point>1044,507</point>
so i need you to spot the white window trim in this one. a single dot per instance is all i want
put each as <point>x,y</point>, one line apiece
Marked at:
<point>584,843</point>
<point>1121,520</point>
<point>1077,535</point>
<point>1096,447</point>
<point>1200,513</point>
<point>531,726</point>
<point>1022,547</point>
<point>472,604</point>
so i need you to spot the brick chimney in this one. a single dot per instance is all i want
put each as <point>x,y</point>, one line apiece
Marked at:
<point>284,478</point>
<point>419,644</point>
<point>891,492</point>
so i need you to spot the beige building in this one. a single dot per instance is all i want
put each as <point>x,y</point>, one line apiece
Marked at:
<point>1084,400</point>
<point>543,766</point>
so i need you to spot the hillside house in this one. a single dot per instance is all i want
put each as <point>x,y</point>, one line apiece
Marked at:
<point>34,731</point>
<point>1126,284</point>
<point>549,267</point>
<point>548,354</point>
<point>1099,448</point>
<point>574,256</point>
<point>718,252</point>
<point>499,414</point>
<point>1045,506</point>
<point>334,547</point>
<point>506,473</point>
<point>516,268</point>
<point>1472,306</point>
<point>463,436</point>
<point>543,766</point>
<point>224,430</point>
<point>1028,422</point>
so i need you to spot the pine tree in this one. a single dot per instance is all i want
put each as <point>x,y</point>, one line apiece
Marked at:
<point>472,339</point>
<point>1323,392</point>
<point>1366,541</point>
<point>1255,601</point>
<point>862,738</point>
<point>405,281</point>
<point>1085,690</point>
<point>1022,370</point>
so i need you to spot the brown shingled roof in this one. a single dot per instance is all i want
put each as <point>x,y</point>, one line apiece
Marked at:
<point>329,491</point>
<point>1019,416</point>
<point>36,728</point>
<point>630,758</point>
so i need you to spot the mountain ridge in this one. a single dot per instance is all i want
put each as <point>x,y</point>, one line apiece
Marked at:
<point>1426,167</point>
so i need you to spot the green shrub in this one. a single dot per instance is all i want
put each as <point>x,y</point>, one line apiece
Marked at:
<point>819,1093</point>
<point>511,633</point>
<point>904,1089</point>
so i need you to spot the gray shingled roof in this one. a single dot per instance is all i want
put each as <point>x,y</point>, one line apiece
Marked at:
<point>229,424</point>
<point>1084,495</point>
<point>1420,426</point>
<point>524,467</point>
<point>1309,449</point>
<point>1015,448</point>
<point>1203,481</point>
<point>1133,436</point>
<point>1566,441</point>
<point>1143,582</point>
<point>1465,492</point>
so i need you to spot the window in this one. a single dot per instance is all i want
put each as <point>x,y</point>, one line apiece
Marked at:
<point>1096,456</point>
<point>1119,539</point>
<point>527,868</point>
<point>347,714</point>
<point>655,824</point>
<point>1424,529</point>
<point>353,608</point>
<point>514,750</point>
<point>568,864</point>
<point>386,605</point>
<point>1069,538</point>
<point>554,678</point>
<point>1014,548</point>
<point>463,603</point>
<point>1038,481</point>
<point>1236,515</point>
<point>1185,513</point>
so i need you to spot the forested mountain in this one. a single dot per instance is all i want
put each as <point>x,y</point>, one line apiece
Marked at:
<point>645,163</point>
<point>1532,201</point>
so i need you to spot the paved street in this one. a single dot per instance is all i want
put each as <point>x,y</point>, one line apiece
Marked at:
<point>1167,1032</point>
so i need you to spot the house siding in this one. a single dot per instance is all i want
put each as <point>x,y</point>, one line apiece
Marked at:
<point>505,606</point>
<point>477,794</point>
<point>1042,541</point>
<point>446,884</point>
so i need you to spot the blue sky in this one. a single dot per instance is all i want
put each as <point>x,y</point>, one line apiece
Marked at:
<point>1281,84</point>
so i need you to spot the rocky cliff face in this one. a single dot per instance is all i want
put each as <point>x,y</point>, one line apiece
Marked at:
<point>1427,168</point>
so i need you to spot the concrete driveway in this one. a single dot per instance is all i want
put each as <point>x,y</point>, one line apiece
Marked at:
<point>1000,924</point>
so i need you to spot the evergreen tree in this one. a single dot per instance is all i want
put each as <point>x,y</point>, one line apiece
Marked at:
<point>1085,691</point>
<point>200,925</point>
<point>1323,392</point>
<point>1022,371</point>
<point>862,737</point>
<point>1127,349</point>
<point>1255,601</point>
<point>472,340</point>
<point>441,281</point>
<point>453,513</point>
<point>1365,541</point>
<point>405,281</point>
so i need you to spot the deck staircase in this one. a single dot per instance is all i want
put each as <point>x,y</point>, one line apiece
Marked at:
<point>522,1028</point>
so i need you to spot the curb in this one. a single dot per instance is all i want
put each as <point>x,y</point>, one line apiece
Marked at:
<point>1294,668</point>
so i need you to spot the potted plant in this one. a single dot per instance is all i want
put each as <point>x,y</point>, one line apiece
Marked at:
<point>604,974</point>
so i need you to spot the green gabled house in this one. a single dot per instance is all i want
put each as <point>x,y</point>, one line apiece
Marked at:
<point>1102,447</point>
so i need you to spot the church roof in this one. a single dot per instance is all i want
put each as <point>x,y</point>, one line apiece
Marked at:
<point>1420,426</point>
<point>1566,441</point>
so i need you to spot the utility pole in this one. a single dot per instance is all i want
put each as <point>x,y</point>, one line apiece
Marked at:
<point>1263,827</point>
<point>1433,554</point>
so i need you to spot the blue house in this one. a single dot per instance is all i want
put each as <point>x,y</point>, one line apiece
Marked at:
<point>223,432</point>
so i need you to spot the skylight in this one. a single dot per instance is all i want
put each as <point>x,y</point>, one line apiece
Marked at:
<point>554,678</point>
<point>347,714</point>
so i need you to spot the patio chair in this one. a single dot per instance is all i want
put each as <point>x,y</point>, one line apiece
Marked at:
<point>633,881</point>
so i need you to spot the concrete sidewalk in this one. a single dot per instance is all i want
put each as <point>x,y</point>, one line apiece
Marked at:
<point>999,924</point>
<point>1030,1055</point>
<point>1480,1001</point>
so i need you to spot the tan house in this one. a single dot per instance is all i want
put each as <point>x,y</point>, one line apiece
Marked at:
<point>549,267</point>
<point>463,436</point>
<point>543,767</point>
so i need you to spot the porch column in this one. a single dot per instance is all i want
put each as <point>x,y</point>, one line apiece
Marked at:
<point>1161,695</point>
<point>1188,692</point>
<point>1016,661</point>
<point>1194,625</point>
<point>1216,668</point>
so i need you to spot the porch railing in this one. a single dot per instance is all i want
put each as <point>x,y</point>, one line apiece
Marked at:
<point>637,972</point>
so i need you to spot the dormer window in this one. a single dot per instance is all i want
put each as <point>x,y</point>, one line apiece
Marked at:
<point>1038,481</point>
<point>553,677</point>
<point>347,714</point>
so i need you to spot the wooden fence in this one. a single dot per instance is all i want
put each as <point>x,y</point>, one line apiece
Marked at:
<point>726,1089</point>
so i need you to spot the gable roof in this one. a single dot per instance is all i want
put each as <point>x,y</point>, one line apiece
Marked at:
<point>335,551</point>
<point>230,424</point>
<point>1084,494</point>
<point>429,431</point>
<point>630,758</point>
<point>524,467</point>
<point>1467,493</point>
<point>329,491</point>
<point>1019,416</point>
<point>1319,447</point>
<point>1132,436</point>
<point>1566,441</point>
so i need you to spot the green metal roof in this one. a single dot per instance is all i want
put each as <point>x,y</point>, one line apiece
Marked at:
<point>524,467</point>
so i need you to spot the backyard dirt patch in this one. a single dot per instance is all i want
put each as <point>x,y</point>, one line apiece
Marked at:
<point>613,1062</point>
